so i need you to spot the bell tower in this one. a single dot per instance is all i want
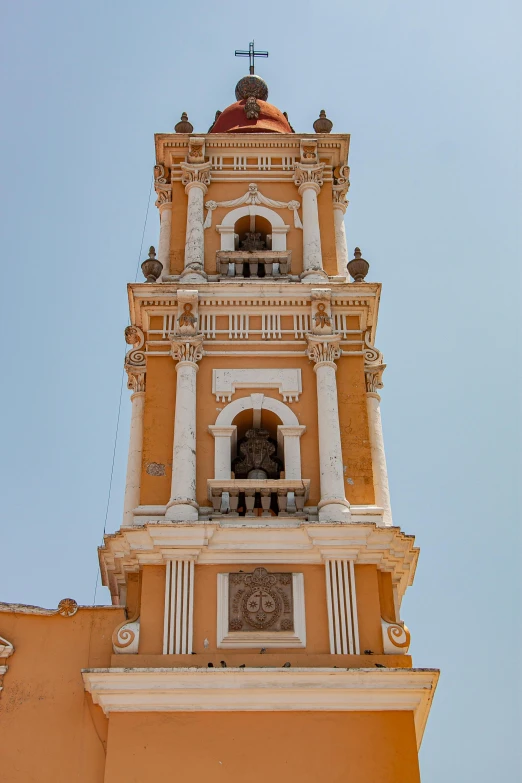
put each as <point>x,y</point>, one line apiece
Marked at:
<point>257,561</point>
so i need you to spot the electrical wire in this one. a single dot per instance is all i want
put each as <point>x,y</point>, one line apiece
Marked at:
<point>121,396</point>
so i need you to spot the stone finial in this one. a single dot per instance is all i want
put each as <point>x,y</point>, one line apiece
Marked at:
<point>323,124</point>
<point>251,86</point>
<point>184,126</point>
<point>151,267</point>
<point>358,267</point>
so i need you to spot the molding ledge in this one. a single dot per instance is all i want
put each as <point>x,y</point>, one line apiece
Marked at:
<point>300,689</point>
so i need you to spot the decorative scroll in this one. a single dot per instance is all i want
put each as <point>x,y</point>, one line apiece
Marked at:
<point>135,365</point>
<point>260,601</point>
<point>126,636</point>
<point>395,638</point>
<point>161,186</point>
<point>254,197</point>
<point>373,365</point>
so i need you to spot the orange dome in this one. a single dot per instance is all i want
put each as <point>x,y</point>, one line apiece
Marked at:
<point>234,120</point>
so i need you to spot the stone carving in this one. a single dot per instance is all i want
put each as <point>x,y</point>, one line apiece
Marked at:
<point>155,469</point>
<point>187,349</point>
<point>183,126</point>
<point>252,108</point>
<point>135,362</point>
<point>339,197</point>
<point>308,151</point>
<point>323,349</point>
<point>67,607</point>
<point>6,650</point>
<point>254,197</point>
<point>256,456</point>
<point>373,377</point>
<point>395,638</point>
<point>321,311</point>
<point>260,601</point>
<point>187,318</point>
<point>252,242</point>
<point>195,173</point>
<point>323,124</point>
<point>161,186</point>
<point>252,86</point>
<point>308,176</point>
<point>196,150</point>
<point>126,636</point>
<point>134,336</point>
<point>373,365</point>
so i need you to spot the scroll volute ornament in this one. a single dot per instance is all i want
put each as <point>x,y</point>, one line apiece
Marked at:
<point>135,361</point>
<point>321,311</point>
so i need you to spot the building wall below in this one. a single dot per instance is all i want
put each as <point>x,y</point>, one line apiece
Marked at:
<point>282,747</point>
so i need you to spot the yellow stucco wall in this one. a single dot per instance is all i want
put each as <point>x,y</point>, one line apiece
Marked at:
<point>50,731</point>
<point>283,747</point>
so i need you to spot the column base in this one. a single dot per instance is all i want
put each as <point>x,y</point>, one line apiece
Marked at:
<point>334,511</point>
<point>193,273</point>
<point>313,275</point>
<point>182,511</point>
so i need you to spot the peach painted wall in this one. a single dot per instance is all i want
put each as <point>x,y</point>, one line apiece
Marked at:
<point>281,747</point>
<point>159,424</point>
<point>50,731</point>
<point>205,607</point>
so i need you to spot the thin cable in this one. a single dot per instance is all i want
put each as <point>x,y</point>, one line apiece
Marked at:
<point>121,394</point>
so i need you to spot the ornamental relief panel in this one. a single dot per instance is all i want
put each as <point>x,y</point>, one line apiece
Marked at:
<point>260,601</point>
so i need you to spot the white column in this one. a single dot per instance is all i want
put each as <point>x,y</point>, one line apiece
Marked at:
<point>133,479</point>
<point>380,472</point>
<point>195,177</point>
<point>135,367</point>
<point>165,211</point>
<point>309,180</point>
<point>182,505</point>
<point>340,205</point>
<point>224,436</point>
<point>333,505</point>
<point>292,449</point>
<point>341,248</point>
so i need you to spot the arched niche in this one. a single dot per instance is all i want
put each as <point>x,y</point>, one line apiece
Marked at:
<point>288,433</point>
<point>279,229</point>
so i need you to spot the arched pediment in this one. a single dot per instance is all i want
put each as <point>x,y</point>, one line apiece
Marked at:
<point>257,402</point>
<point>231,218</point>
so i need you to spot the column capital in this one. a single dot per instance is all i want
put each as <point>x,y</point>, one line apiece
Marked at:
<point>308,176</point>
<point>373,378</point>
<point>292,430</point>
<point>339,197</point>
<point>195,175</point>
<point>187,349</point>
<point>323,349</point>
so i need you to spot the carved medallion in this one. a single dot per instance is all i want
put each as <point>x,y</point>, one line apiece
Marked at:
<point>260,601</point>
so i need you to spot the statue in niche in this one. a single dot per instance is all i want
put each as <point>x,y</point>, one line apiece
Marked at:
<point>256,457</point>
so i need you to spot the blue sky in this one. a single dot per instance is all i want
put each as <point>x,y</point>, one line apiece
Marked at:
<point>430,94</point>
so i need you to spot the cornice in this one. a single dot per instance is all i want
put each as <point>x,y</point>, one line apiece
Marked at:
<point>219,542</point>
<point>272,689</point>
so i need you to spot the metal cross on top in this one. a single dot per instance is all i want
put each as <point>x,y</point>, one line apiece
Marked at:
<point>251,54</point>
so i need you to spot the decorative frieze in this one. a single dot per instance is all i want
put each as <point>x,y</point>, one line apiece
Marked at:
<point>253,198</point>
